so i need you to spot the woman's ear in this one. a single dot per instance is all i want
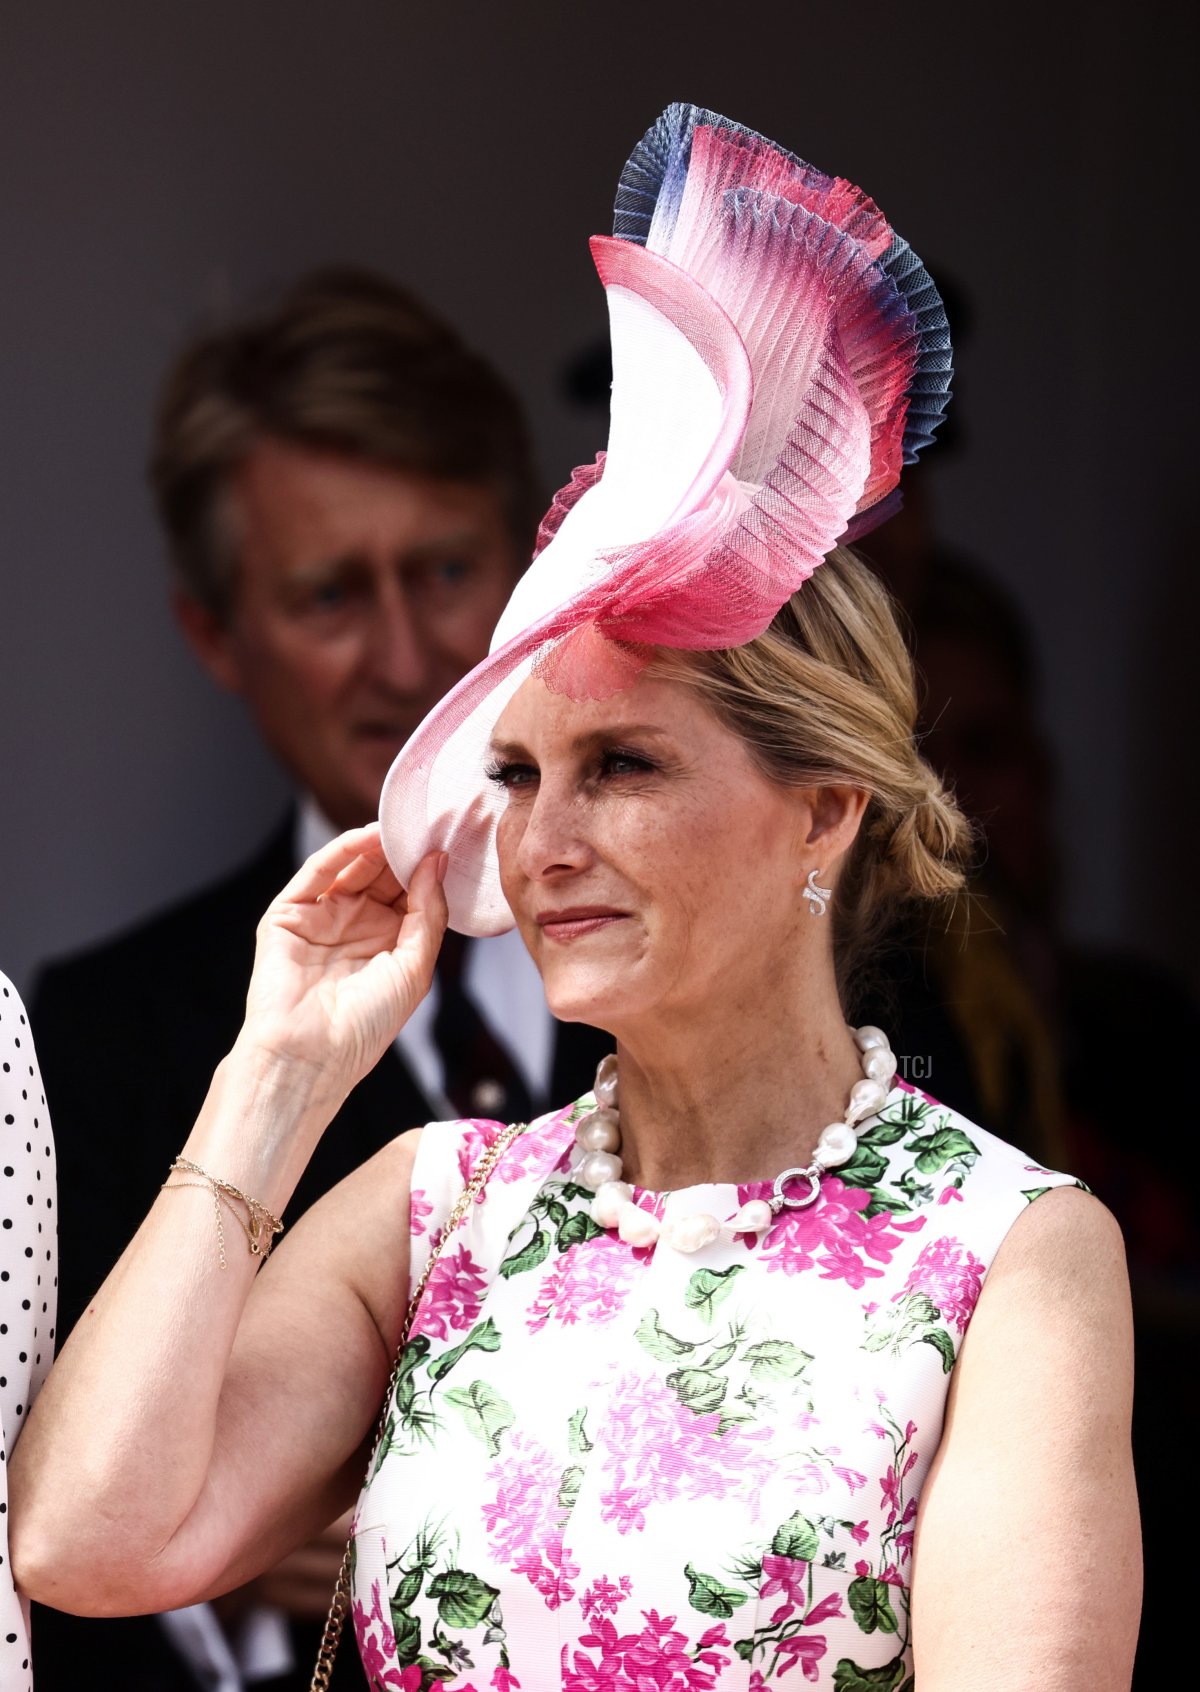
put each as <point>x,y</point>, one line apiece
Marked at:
<point>835,816</point>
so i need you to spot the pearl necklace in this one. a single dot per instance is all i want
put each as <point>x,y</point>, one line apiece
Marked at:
<point>598,1146</point>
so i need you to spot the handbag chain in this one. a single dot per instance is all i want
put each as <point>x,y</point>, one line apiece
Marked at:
<point>339,1607</point>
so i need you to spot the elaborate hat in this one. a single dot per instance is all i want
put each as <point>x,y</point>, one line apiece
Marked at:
<point>778,354</point>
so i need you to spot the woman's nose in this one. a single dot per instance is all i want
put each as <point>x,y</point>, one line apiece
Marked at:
<point>553,840</point>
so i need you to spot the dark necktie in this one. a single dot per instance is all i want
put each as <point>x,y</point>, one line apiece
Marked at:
<point>481,1078</point>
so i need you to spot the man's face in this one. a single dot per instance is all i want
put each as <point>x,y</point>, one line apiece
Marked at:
<point>363,594</point>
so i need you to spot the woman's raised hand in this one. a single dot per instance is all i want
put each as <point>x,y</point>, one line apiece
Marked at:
<point>344,956</point>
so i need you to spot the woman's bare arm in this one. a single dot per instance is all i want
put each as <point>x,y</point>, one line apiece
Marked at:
<point>198,1423</point>
<point>1027,1566</point>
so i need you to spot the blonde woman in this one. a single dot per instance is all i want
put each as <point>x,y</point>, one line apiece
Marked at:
<point>756,1364</point>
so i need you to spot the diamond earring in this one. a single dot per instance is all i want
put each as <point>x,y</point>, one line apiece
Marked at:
<point>818,897</point>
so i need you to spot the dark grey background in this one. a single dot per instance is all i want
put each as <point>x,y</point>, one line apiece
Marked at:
<point>161,160</point>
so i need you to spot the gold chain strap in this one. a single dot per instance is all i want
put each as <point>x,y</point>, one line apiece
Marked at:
<point>339,1607</point>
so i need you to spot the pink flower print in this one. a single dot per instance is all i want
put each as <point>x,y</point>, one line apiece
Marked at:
<point>810,1477</point>
<point>948,1193</point>
<point>889,1485</point>
<point>805,1649</point>
<point>657,1449</point>
<point>550,1571</point>
<point>835,1235</point>
<point>453,1296</point>
<point>860,1533</point>
<point>787,1576</point>
<point>525,1519</point>
<point>951,1276</point>
<point>850,1477</point>
<point>830,1605</point>
<point>419,1208</point>
<point>377,1648</point>
<point>503,1680</point>
<point>603,1597</point>
<point>528,1153</point>
<point>655,1660</point>
<point>588,1282</point>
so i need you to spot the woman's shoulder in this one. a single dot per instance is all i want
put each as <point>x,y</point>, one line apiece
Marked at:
<point>449,1153</point>
<point>923,1159</point>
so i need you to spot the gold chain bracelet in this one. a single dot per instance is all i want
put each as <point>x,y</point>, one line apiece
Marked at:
<point>258,1225</point>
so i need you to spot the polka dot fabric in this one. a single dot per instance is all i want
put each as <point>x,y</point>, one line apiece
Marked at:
<point>28,1285</point>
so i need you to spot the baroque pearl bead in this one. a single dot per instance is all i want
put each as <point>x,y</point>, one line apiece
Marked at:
<point>690,1233</point>
<point>597,1168</point>
<point>865,1097</point>
<point>636,1226</point>
<point>608,1202</point>
<point>879,1064</point>
<point>754,1217</point>
<point>606,1081</point>
<point>868,1036</point>
<point>836,1145</point>
<point>600,1130</point>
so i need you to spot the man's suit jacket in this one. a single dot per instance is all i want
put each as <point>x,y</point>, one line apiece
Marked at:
<point>128,1036</point>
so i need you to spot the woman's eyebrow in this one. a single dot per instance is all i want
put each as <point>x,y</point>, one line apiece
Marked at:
<point>616,734</point>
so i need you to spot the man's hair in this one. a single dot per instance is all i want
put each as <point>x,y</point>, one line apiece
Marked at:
<point>345,362</point>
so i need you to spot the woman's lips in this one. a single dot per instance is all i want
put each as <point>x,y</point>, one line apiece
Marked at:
<point>575,922</point>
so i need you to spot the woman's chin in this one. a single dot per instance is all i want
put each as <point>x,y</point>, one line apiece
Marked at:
<point>585,995</point>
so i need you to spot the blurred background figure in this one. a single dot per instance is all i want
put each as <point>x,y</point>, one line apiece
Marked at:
<point>348,497</point>
<point>28,1285</point>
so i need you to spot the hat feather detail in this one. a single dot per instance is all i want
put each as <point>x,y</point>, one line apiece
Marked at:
<point>779,354</point>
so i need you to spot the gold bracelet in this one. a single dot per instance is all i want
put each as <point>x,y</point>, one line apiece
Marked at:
<point>259,1226</point>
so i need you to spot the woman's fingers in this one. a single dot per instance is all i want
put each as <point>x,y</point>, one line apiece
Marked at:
<point>426,915</point>
<point>317,874</point>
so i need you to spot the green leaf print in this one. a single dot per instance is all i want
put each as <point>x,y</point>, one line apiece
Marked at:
<point>577,1437</point>
<point>918,1307</point>
<point>463,1599</point>
<point>720,1355</point>
<point>708,1289</point>
<point>482,1337</point>
<point>865,1169</point>
<point>568,1488</point>
<point>711,1596</point>
<point>871,1605</point>
<point>700,1389</point>
<point>935,1151</point>
<point>658,1342</point>
<point>486,1414</point>
<point>848,1677</point>
<point>406,1593</point>
<point>530,1255</point>
<point>885,1132</point>
<point>408,1634</point>
<point>909,1684</point>
<point>1031,1193</point>
<point>776,1360</point>
<point>575,1229</point>
<point>797,1538</point>
<point>943,1344</point>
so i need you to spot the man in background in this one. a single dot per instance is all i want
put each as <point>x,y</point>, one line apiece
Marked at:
<point>348,498</point>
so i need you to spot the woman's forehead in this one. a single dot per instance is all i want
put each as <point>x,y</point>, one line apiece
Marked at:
<point>650,704</point>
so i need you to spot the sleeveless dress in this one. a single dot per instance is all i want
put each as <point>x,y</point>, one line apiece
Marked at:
<point>617,1470</point>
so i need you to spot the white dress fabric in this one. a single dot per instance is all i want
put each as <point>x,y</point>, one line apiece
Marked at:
<point>28,1285</point>
<point>614,1470</point>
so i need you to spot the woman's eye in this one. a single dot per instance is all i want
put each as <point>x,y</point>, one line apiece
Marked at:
<point>510,776</point>
<point>624,763</point>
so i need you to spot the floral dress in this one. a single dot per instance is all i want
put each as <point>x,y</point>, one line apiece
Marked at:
<point>610,1469</point>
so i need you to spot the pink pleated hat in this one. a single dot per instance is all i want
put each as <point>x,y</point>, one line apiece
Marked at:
<point>778,354</point>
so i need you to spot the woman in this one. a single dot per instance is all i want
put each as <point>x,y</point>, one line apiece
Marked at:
<point>707,1387</point>
<point>28,1285</point>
